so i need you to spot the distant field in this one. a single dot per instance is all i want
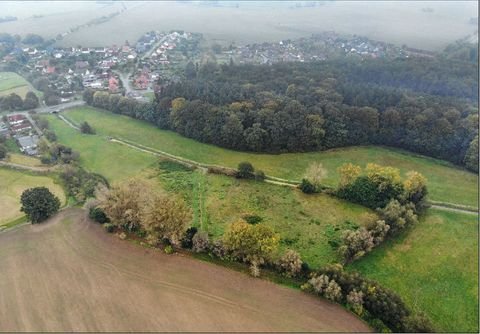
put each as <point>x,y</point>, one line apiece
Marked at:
<point>434,267</point>
<point>11,82</point>
<point>447,183</point>
<point>304,222</point>
<point>13,183</point>
<point>68,275</point>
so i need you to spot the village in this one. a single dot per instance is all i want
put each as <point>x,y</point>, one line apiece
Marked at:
<point>140,69</point>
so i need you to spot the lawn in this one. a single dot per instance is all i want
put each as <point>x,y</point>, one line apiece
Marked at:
<point>13,183</point>
<point>305,222</point>
<point>21,159</point>
<point>11,82</point>
<point>447,183</point>
<point>434,267</point>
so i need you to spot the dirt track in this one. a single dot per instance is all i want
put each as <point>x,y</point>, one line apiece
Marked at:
<point>69,275</point>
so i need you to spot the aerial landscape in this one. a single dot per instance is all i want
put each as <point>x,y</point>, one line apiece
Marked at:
<point>239,166</point>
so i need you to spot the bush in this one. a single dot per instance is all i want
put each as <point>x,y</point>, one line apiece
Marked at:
<point>259,175</point>
<point>217,249</point>
<point>168,249</point>
<point>325,287</point>
<point>398,216</point>
<point>200,242</point>
<point>290,264</point>
<point>187,241</point>
<point>356,244</point>
<point>97,214</point>
<point>86,128</point>
<point>252,218</point>
<point>355,301</point>
<point>245,170</point>
<point>109,227</point>
<point>307,187</point>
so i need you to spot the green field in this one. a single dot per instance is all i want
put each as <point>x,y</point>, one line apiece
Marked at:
<point>114,161</point>
<point>13,183</point>
<point>434,267</point>
<point>447,183</point>
<point>305,222</point>
<point>11,82</point>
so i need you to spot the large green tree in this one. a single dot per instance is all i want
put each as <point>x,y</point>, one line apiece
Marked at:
<point>39,204</point>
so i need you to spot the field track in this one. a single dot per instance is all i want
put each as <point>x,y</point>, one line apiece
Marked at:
<point>69,275</point>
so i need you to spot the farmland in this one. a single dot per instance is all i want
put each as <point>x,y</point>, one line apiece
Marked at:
<point>13,83</point>
<point>49,269</point>
<point>13,183</point>
<point>447,183</point>
<point>434,267</point>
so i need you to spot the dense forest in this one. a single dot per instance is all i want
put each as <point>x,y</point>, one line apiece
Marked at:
<point>426,106</point>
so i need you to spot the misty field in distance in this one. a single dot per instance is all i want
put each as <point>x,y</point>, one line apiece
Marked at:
<point>423,25</point>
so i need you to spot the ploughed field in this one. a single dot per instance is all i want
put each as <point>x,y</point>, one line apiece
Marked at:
<point>67,274</point>
<point>446,182</point>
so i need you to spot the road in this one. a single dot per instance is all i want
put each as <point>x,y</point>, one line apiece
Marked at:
<point>154,47</point>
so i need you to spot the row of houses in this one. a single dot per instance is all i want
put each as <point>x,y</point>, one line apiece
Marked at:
<point>20,128</point>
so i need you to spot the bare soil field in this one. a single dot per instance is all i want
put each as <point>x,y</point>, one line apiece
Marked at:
<point>69,275</point>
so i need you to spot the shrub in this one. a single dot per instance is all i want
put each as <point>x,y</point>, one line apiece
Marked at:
<point>315,174</point>
<point>168,249</point>
<point>307,187</point>
<point>355,301</point>
<point>255,269</point>
<point>200,242</point>
<point>398,216</point>
<point>378,230</point>
<point>325,287</point>
<point>250,243</point>
<point>356,244</point>
<point>245,170</point>
<point>290,264</point>
<point>252,218</point>
<point>187,241</point>
<point>86,128</point>
<point>109,227</point>
<point>97,214</point>
<point>217,249</point>
<point>259,175</point>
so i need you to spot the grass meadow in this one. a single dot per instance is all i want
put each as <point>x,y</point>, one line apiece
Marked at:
<point>446,182</point>
<point>11,82</point>
<point>13,183</point>
<point>434,267</point>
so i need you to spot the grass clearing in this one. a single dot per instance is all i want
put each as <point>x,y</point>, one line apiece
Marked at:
<point>25,160</point>
<point>434,267</point>
<point>305,223</point>
<point>13,183</point>
<point>447,183</point>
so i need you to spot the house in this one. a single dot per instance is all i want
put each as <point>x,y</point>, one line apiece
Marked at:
<point>16,119</point>
<point>28,144</point>
<point>21,127</point>
<point>142,81</point>
<point>113,84</point>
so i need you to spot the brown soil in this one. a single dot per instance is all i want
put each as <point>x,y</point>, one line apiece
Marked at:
<point>69,275</point>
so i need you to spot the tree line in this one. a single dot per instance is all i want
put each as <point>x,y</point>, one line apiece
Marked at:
<point>296,107</point>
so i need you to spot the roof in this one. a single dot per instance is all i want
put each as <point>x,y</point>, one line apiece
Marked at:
<point>15,118</point>
<point>21,126</point>
<point>28,141</point>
